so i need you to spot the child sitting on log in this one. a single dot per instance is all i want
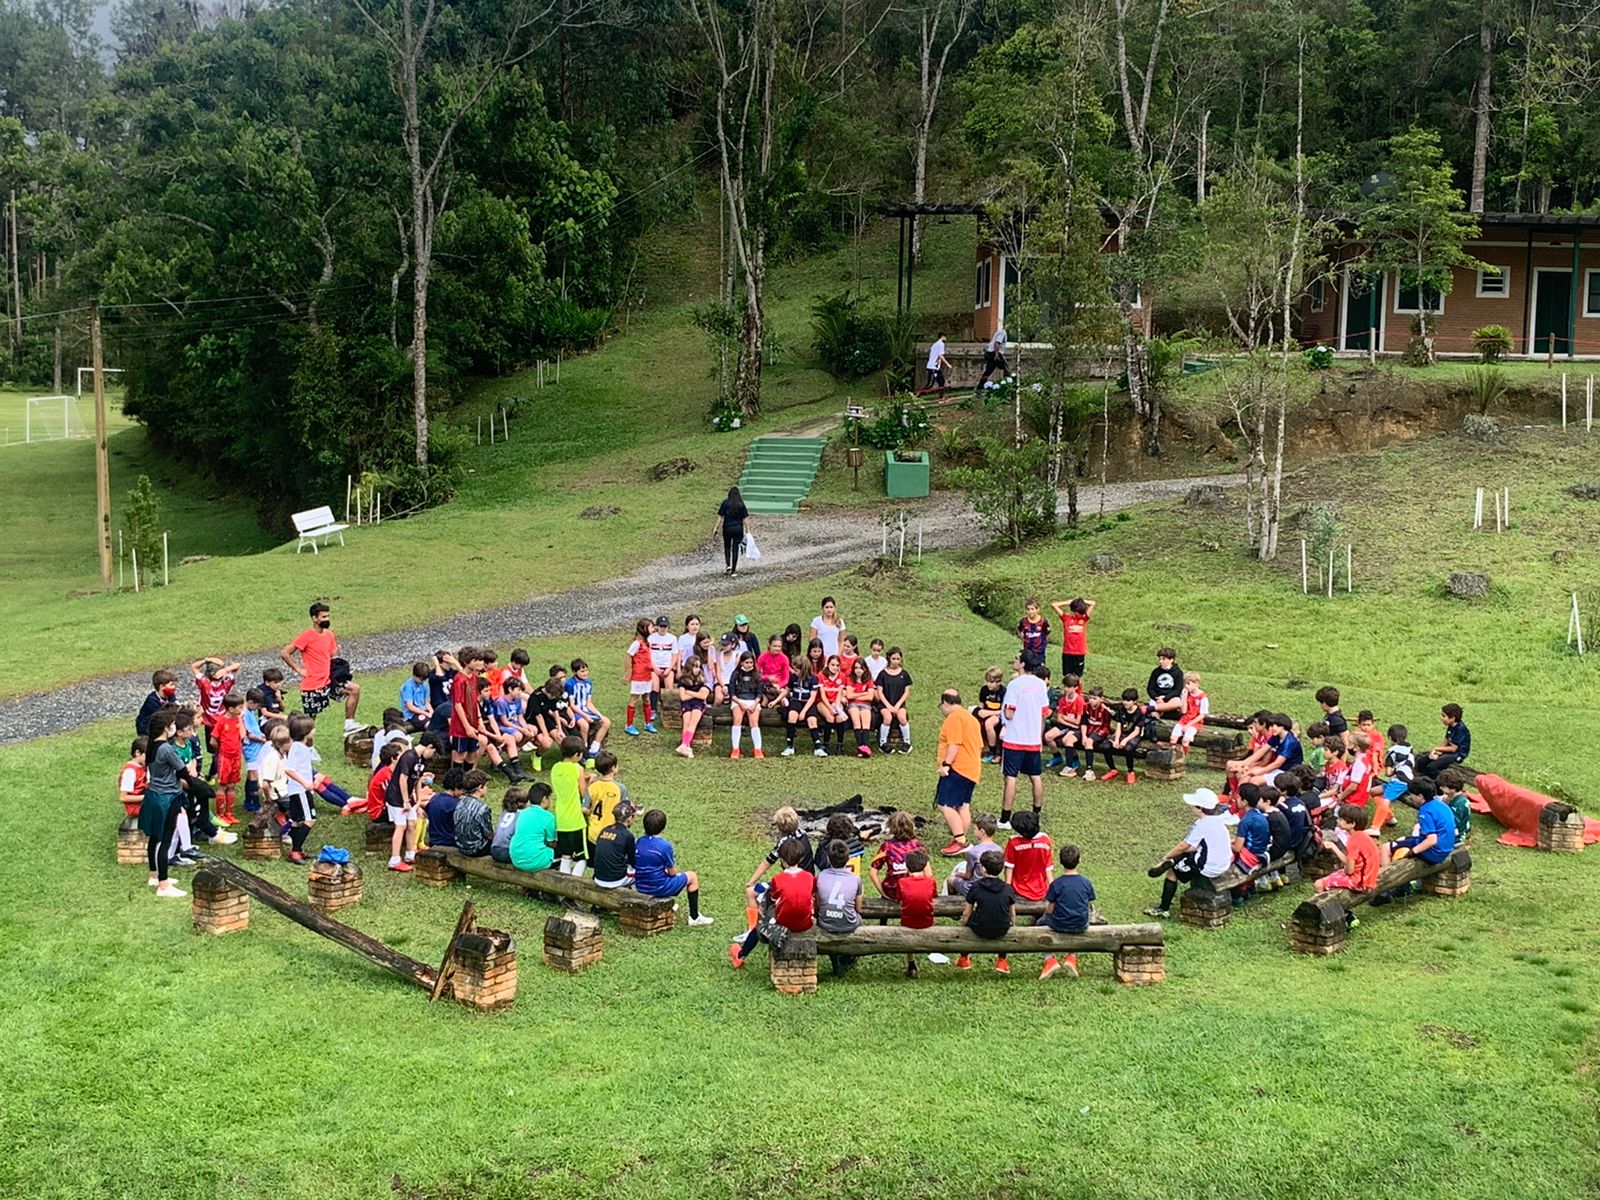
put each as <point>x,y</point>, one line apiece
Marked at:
<point>513,802</point>
<point>888,867</point>
<point>838,895</point>
<point>987,912</point>
<point>970,869</point>
<point>787,905</point>
<point>842,827</point>
<point>1068,902</point>
<point>786,826</point>
<point>566,778</point>
<point>614,848</point>
<point>375,804</point>
<point>1434,835</point>
<point>987,710</point>
<point>1029,857</point>
<point>1359,854</point>
<point>1453,783</point>
<point>656,870</point>
<point>533,840</point>
<point>917,889</point>
<point>1252,841</point>
<point>133,778</point>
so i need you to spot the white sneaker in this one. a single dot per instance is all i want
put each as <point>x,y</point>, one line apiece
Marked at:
<point>788,752</point>
<point>351,725</point>
<point>224,838</point>
<point>683,751</point>
<point>1003,825</point>
<point>1088,776</point>
<point>941,959</point>
<point>171,893</point>
<point>153,882</point>
<point>702,919</point>
<point>819,752</point>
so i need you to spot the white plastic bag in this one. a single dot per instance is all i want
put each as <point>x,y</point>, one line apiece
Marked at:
<point>751,550</point>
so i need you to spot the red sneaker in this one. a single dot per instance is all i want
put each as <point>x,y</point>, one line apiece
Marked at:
<point>1070,963</point>
<point>734,753</point>
<point>964,962</point>
<point>956,847</point>
<point>757,753</point>
<point>1051,966</point>
<point>1109,776</point>
<point>735,957</point>
<point>1132,778</point>
<point>1002,965</point>
<point>296,857</point>
<point>864,751</point>
<point>400,866</point>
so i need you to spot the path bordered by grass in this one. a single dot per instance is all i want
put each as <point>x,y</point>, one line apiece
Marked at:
<point>1449,1052</point>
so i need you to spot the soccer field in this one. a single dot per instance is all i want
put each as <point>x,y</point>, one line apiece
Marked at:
<point>49,419</point>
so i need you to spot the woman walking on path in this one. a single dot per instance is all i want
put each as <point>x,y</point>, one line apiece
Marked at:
<point>732,515</point>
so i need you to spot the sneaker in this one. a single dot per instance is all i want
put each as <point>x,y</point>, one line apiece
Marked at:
<point>1088,776</point>
<point>1051,966</point>
<point>684,751</point>
<point>957,847</point>
<point>735,957</point>
<point>223,838</point>
<point>734,753</point>
<point>401,867</point>
<point>1070,965</point>
<point>155,882</point>
<point>1002,965</point>
<point>650,727</point>
<point>911,969</point>
<point>171,893</point>
<point>1003,825</point>
<point>1056,760</point>
<point>756,753</point>
<point>296,857</point>
<point>964,962</point>
<point>631,730</point>
<point>905,747</point>
<point>1158,912</point>
<point>1069,772</point>
<point>702,919</point>
<point>819,752</point>
<point>1109,776</point>
<point>1132,778</point>
<point>863,751</point>
<point>351,725</point>
<point>788,752</point>
<point>224,819</point>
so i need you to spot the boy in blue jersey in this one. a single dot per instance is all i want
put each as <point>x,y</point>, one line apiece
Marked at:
<point>254,740</point>
<point>592,724</point>
<point>656,871</point>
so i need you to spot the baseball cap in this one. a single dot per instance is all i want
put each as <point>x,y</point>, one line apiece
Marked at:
<point>741,619</point>
<point>1203,798</point>
<point>622,811</point>
<point>730,639</point>
<point>662,622</point>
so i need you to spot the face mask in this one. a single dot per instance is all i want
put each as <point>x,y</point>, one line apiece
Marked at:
<point>169,691</point>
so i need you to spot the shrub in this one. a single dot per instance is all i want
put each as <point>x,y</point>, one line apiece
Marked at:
<point>1493,342</point>
<point>141,523</point>
<point>894,426</point>
<point>1009,492</point>
<point>851,339</point>
<point>1318,357</point>
<point>1487,384</point>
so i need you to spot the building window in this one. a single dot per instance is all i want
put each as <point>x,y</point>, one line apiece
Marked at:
<point>985,277</point>
<point>1591,293</point>
<point>1319,295</point>
<point>1494,283</point>
<point>1406,300</point>
<point>1126,291</point>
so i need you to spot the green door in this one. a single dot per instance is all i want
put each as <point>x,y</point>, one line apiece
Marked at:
<point>1360,314</point>
<point>1552,311</point>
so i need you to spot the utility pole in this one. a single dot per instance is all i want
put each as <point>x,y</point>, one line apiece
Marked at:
<point>102,464</point>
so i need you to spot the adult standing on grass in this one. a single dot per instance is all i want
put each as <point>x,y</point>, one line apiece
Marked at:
<point>960,751</point>
<point>310,656</point>
<point>1022,736</point>
<point>828,627</point>
<point>732,517</point>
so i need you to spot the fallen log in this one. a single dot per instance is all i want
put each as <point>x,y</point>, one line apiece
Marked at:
<point>642,915</point>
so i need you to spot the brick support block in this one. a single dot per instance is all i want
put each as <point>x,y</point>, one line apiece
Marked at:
<point>333,886</point>
<point>132,845</point>
<point>486,970</point>
<point>432,869</point>
<point>218,907</point>
<point>1137,966</point>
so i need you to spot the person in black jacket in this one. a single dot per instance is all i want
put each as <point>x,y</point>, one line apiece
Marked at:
<point>732,516</point>
<point>1165,687</point>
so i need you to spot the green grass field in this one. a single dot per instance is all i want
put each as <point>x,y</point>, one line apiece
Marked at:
<point>1449,1052</point>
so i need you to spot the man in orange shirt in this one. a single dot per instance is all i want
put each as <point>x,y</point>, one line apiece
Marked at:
<point>960,752</point>
<point>310,656</point>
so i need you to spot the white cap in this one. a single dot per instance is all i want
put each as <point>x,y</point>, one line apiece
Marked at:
<point>1202,798</point>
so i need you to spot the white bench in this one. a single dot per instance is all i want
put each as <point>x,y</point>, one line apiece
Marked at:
<point>315,523</point>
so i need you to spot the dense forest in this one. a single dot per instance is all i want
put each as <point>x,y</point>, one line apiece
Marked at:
<point>307,224</point>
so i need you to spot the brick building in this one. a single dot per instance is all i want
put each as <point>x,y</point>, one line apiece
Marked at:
<point>1541,280</point>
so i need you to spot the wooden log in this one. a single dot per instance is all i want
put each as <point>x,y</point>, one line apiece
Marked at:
<point>1320,924</point>
<point>220,872</point>
<point>1397,874</point>
<point>553,883</point>
<point>1233,877</point>
<point>877,908</point>
<point>958,939</point>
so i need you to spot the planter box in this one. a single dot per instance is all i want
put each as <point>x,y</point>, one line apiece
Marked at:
<point>905,480</point>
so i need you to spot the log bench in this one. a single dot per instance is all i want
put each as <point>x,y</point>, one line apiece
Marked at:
<point>1208,903</point>
<point>638,914</point>
<point>1321,924</point>
<point>879,908</point>
<point>1138,951</point>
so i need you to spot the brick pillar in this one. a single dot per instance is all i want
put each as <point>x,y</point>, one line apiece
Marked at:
<point>132,845</point>
<point>218,906</point>
<point>486,969</point>
<point>432,869</point>
<point>1322,862</point>
<point>358,751</point>
<point>572,942</point>
<point>1217,756</point>
<point>794,966</point>
<point>1205,909</point>
<point>647,916</point>
<point>1560,829</point>
<point>1140,965</point>
<point>262,842</point>
<point>1164,764</point>
<point>333,886</point>
<point>1319,926</point>
<point>379,836</point>
<point>1454,880</point>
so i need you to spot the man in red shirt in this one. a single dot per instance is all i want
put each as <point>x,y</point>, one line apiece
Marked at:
<point>790,900</point>
<point>917,888</point>
<point>310,656</point>
<point>1074,633</point>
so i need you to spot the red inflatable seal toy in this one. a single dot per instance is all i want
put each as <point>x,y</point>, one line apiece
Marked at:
<point>1518,808</point>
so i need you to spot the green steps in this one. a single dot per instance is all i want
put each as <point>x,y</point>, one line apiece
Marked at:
<point>778,473</point>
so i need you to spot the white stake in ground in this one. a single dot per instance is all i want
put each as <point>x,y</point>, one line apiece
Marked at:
<point>1497,524</point>
<point>166,577</point>
<point>347,485</point>
<point>136,572</point>
<point>1477,511</point>
<point>1575,626</point>
<point>1563,399</point>
<point>919,541</point>
<point>1330,572</point>
<point>1305,574</point>
<point>122,561</point>
<point>1507,507</point>
<point>1349,567</point>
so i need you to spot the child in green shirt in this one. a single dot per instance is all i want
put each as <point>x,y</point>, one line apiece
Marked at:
<point>566,778</point>
<point>1452,781</point>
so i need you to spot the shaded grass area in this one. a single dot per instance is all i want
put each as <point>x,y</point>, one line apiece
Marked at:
<point>1449,1052</point>
<point>514,529</point>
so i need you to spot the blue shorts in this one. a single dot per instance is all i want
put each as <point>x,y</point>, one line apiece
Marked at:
<point>1394,789</point>
<point>1020,762</point>
<point>955,791</point>
<point>1431,855</point>
<point>464,745</point>
<point>670,886</point>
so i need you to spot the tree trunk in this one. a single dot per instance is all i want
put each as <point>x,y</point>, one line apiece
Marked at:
<point>16,284</point>
<point>1200,159</point>
<point>752,326</point>
<point>421,255</point>
<point>56,362</point>
<point>919,186</point>
<point>1483,106</point>
<point>1141,394</point>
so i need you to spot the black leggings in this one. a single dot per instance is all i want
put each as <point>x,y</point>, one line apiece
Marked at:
<point>156,850</point>
<point>732,544</point>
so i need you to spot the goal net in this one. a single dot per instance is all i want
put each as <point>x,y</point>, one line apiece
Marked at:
<point>53,419</point>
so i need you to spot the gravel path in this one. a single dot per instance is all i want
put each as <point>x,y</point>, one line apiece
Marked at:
<point>807,545</point>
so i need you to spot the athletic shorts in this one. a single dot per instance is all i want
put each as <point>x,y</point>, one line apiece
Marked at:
<point>571,843</point>
<point>690,706</point>
<point>794,711</point>
<point>301,811</point>
<point>464,745</point>
<point>955,791</point>
<point>230,769</point>
<point>399,814</point>
<point>625,881</point>
<point>641,687</point>
<point>670,886</point>
<point>317,699</point>
<point>1072,664</point>
<point>1020,762</point>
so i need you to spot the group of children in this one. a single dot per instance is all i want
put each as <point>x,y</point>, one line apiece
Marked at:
<point>822,885</point>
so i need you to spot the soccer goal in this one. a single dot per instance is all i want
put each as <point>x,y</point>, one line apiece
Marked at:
<point>52,419</point>
<point>88,373</point>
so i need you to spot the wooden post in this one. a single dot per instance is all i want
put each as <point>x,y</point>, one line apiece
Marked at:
<point>480,429</point>
<point>505,425</point>
<point>102,460</point>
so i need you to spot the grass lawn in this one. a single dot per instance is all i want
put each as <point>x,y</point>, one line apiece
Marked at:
<point>1449,1052</point>
<point>514,529</point>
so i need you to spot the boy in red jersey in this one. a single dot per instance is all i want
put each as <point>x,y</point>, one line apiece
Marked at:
<point>133,778</point>
<point>374,805</point>
<point>227,731</point>
<point>787,903</point>
<point>1030,858</point>
<point>641,678</point>
<point>1096,730</point>
<point>1359,854</point>
<point>917,889</point>
<point>213,679</point>
<point>1064,734</point>
<point>467,739</point>
<point>1074,633</point>
<point>1196,708</point>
